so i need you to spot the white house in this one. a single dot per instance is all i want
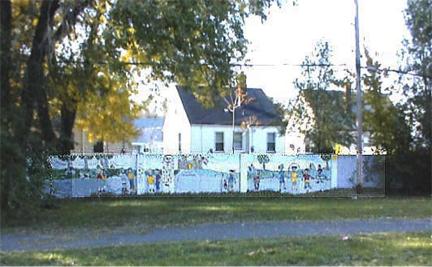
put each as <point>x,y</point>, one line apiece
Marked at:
<point>191,128</point>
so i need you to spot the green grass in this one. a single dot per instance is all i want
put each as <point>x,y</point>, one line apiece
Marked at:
<point>141,214</point>
<point>376,249</point>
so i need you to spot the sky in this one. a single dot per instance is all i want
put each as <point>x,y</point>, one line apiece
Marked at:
<point>290,33</point>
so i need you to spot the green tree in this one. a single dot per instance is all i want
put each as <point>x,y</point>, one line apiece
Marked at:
<point>385,121</point>
<point>418,56</point>
<point>319,111</point>
<point>58,56</point>
<point>412,168</point>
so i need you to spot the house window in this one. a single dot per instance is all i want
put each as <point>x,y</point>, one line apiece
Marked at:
<point>179,142</point>
<point>98,147</point>
<point>219,144</point>
<point>238,141</point>
<point>271,142</point>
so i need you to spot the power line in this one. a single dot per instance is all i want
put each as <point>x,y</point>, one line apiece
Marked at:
<point>250,65</point>
<point>289,65</point>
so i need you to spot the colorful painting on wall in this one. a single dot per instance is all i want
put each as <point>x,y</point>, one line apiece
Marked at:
<point>289,174</point>
<point>81,176</point>
<point>212,173</point>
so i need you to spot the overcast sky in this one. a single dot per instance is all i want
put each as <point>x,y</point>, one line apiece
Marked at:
<point>291,32</point>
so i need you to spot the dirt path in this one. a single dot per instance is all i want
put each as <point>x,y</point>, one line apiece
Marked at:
<point>216,231</point>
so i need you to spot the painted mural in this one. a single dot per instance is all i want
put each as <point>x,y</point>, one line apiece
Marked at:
<point>149,173</point>
<point>212,173</point>
<point>289,174</point>
<point>82,176</point>
<point>90,175</point>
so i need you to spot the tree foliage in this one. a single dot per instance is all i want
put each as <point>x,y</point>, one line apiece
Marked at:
<point>385,121</point>
<point>418,57</point>
<point>319,111</point>
<point>63,58</point>
<point>411,169</point>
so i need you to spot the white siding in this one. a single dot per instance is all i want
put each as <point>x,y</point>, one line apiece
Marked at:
<point>204,138</point>
<point>176,122</point>
<point>259,139</point>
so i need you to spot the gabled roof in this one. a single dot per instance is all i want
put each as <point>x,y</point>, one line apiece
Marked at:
<point>262,108</point>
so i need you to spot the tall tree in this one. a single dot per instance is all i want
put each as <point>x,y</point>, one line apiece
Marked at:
<point>385,121</point>
<point>413,168</point>
<point>319,110</point>
<point>54,53</point>
<point>418,55</point>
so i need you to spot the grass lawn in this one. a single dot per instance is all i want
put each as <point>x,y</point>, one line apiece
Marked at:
<point>142,214</point>
<point>367,250</point>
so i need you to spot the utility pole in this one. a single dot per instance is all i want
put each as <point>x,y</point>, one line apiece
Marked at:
<point>233,125</point>
<point>359,104</point>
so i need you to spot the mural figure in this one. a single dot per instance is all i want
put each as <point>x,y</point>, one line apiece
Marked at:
<point>281,177</point>
<point>193,163</point>
<point>320,175</point>
<point>294,178</point>
<point>124,179</point>
<point>131,180</point>
<point>225,185</point>
<point>150,182</point>
<point>104,163</point>
<point>307,177</point>
<point>254,174</point>
<point>256,180</point>
<point>231,181</point>
<point>70,170</point>
<point>158,180</point>
<point>100,175</point>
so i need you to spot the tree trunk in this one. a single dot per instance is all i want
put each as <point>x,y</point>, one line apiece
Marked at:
<point>6,25</point>
<point>34,91</point>
<point>68,114</point>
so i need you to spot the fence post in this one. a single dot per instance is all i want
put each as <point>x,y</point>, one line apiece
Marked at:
<point>334,172</point>
<point>140,177</point>
<point>243,173</point>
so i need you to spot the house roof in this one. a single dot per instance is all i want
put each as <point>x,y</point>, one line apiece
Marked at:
<point>262,108</point>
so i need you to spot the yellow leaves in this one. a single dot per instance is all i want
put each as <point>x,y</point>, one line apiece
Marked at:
<point>338,149</point>
<point>102,19</point>
<point>21,3</point>
<point>131,30</point>
<point>108,115</point>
